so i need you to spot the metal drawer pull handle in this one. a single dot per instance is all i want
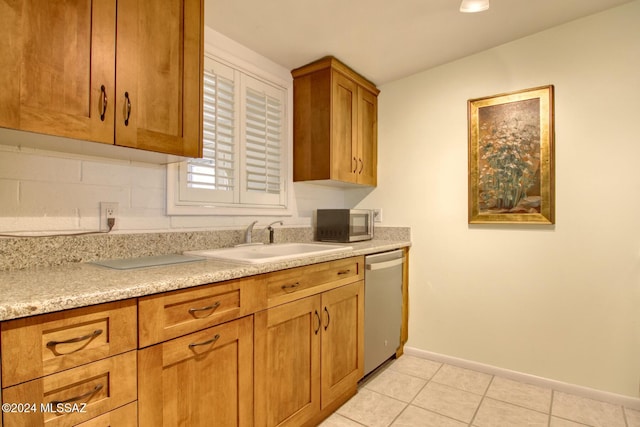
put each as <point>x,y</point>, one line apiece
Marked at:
<point>290,288</point>
<point>127,109</point>
<point>103,102</point>
<point>385,264</point>
<point>212,340</point>
<point>81,397</point>
<point>73,340</point>
<point>341,272</point>
<point>319,322</point>
<point>328,318</point>
<point>355,167</point>
<point>209,307</point>
<point>361,167</point>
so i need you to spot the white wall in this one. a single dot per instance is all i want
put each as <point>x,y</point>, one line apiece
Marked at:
<point>562,301</point>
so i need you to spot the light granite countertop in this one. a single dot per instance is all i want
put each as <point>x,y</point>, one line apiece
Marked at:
<point>42,290</point>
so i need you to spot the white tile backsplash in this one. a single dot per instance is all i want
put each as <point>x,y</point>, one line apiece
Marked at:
<point>43,191</point>
<point>33,167</point>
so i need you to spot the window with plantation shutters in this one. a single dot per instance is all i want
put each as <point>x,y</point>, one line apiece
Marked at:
<point>212,178</point>
<point>262,142</point>
<point>244,143</point>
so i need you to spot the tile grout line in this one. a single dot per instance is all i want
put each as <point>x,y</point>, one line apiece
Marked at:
<point>389,397</point>
<point>410,403</point>
<point>484,395</point>
<point>416,395</point>
<point>551,406</point>
<point>428,381</point>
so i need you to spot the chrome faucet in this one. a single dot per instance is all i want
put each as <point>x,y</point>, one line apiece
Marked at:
<point>270,228</point>
<point>247,233</point>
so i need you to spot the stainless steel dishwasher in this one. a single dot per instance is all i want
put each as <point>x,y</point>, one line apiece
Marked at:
<point>382,307</point>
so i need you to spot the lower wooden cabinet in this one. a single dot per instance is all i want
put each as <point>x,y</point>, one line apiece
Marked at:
<point>70,397</point>
<point>342,341</point>
<point>308,356</point>
<point>287,376</point>
<point>229,361</point>
<point>201,379</point>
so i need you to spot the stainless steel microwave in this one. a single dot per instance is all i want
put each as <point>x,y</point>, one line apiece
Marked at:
<point>344,225</point>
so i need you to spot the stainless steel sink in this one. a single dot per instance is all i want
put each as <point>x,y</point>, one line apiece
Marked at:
<point>259,254</point>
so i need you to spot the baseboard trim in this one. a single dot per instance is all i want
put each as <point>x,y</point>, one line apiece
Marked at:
<point>591,393</point>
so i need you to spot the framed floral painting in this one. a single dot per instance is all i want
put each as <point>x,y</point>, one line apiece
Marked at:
<point>511,158</point>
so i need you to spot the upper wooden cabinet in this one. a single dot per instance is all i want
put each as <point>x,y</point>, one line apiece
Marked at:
<point>335,127</point>
<point>159,72</point>
<point>124,73</point>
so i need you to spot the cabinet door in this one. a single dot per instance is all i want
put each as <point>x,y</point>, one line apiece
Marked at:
<point>342,341</point>
<point>367,137</point>
<point>56,58</point>
<point>159,76</point>
<point>344,135</point>
<point>288,363</point>
<point>202,379</point>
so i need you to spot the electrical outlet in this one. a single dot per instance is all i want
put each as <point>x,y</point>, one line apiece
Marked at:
<point>108,210</point>
<point>377,215</point>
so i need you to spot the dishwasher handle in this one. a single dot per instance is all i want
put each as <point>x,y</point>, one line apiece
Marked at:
<point>385,264</point>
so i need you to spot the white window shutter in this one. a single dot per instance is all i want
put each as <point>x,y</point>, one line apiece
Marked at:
<point>214,177</point>
<point>262,143</point>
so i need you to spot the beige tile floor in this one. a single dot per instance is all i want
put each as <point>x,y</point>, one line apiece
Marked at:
<point>417,392</point>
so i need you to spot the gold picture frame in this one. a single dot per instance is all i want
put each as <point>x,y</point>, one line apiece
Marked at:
<point>511,158</point>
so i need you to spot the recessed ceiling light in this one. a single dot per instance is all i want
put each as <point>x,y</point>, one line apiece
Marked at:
<point>472,6</point>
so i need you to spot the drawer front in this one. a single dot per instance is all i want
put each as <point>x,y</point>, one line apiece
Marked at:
<point>126,416</point>
<point>173,314</point>
<point>41,345</point>
<point>75,395</point>
<point>289,285</point>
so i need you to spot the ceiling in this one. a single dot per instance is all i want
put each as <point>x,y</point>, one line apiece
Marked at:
<point>385,40</point>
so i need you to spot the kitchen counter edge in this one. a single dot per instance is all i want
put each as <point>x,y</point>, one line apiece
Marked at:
<point>45,290</point>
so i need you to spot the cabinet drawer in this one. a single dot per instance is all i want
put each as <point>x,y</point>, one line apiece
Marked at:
<point>81,393</point>
<point>289,285</point>
<point>127,416</point>
<point>41,345</point>
<point>172,314</point>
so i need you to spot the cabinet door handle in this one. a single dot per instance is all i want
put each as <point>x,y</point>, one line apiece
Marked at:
<point>212,340</point>
<point>355,165</point>
<point>211,307</point>
<point>328,318</point>
<point>74,340</point>
<point>81,397</point>
<point>319,322</point>
<point>127,109</point>
<point>343,272</point>
<point>103,102</point>
<point>361,166</point>
<point>290,288</point>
